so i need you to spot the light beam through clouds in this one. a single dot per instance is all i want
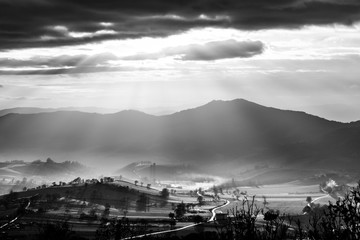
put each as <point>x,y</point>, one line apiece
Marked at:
<point>160,58</point>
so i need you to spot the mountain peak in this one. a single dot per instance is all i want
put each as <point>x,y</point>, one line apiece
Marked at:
<point>233,104</point>
<point>237,100</point>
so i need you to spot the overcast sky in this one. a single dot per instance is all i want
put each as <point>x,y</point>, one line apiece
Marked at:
<point>161,56</point>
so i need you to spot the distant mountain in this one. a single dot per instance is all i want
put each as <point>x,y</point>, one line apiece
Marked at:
<point>31,110</point>
<point>219,134</point>
<point>25,110</point>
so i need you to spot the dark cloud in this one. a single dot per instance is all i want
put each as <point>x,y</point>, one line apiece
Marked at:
<point>41,23</point>
<point>207,52</point>
<point>59,61</point>
<point>223,50</point>
<point>58,64</point>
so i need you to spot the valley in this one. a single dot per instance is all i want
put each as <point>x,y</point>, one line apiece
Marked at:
<point>169,204</point>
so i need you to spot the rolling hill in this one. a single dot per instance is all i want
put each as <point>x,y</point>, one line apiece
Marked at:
<point>217,135</point>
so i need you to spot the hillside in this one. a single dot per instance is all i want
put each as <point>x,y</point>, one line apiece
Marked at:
<point>114,194</point>
<point>220,133</point>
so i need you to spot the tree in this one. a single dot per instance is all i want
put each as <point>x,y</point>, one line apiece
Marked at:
<point>106,210</point>
<point>141,202</point>
<point>136,182</point>
<point>215,189</point>
<point>271,215</point>
<point>265,202</point>
<point>200,200</point>
<point>165,193</point>
<point>308,199</point>
<point>148,186</point>
<point>171,215</point>
<point>180,210</point>
<point>172,220</point>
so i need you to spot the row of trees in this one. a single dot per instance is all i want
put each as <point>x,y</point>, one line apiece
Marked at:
<point>136,182</point>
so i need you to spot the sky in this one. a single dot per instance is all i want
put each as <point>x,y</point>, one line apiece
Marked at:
<point>162,56</point>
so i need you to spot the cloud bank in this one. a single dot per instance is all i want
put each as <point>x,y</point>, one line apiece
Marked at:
<point>50,23</point>
<point>64,64</point>
<point>207,52</point>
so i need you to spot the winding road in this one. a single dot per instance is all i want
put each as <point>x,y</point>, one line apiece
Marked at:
<point>316,199</point>
<point>213,211</point>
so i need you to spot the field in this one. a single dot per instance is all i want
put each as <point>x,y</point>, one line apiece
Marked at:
<point>288,198</point>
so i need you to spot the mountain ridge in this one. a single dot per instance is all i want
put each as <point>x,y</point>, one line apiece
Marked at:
<point>33,110</point>
<point>235,132</point>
